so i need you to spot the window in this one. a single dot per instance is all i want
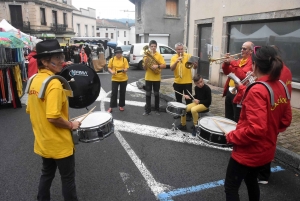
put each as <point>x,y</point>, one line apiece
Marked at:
<point>106,35</point>
<point>128,42</point>
<point>166,50</point>
<point>65,1</point>
<point>171,8</point>
<point>124,33</point>
<point>283,34</point>
<point>112,35</point>
<point>86,30</point>
<point>78,30</point>
<point>65,20</point>
<point>98,34</point>
<point>54,17</point>
<point>106,29</point>
<point>43,16</point>
<point>124,42</point>
<point>93,31</point>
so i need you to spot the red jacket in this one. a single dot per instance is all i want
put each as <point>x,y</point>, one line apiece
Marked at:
<point>285,76</point>
<point>240,72</point>
<point>254,140</point>
<point>32,65</point>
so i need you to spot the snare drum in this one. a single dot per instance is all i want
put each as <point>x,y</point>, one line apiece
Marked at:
<point>95,127</point>
<point>176,109</point>
<point>209,132</point>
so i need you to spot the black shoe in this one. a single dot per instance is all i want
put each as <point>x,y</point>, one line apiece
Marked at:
<point>194,132</point>
<point>181,127</point>
<point>146,113</point>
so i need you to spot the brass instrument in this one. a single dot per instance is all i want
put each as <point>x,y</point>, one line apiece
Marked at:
<point>150,60</point>
<point>221,60</point>
<point>190,63</point>
<point>249,79</point>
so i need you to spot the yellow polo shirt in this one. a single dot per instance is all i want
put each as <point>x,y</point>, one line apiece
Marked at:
<point>186,73</point>
<point>118,64</point>
<point>50,141</point>
<point>150,75</point>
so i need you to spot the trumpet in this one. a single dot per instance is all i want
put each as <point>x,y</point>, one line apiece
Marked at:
<point>249,79</point>
<point>190,63</point>
<point>220,60</point>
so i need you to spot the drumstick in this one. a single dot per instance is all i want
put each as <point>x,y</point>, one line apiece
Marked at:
<point>228,122</point>
<point>77,117</point>
<point>179,93</point>
<point>219,126</point>
<point>190,94</point>
<point>87,114</point>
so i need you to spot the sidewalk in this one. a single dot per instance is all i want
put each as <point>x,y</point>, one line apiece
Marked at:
<point>288,144</point>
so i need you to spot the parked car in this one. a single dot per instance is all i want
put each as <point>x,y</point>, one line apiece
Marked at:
<point>137,54</point>
<point>126,51</point>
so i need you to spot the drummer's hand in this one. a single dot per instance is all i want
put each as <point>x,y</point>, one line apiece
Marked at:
<point>113,72</point>
<point>196,101</point>
<point>69,62</point>
<point>187,97</point>
<point>76,124</point>
<point>125,70</point>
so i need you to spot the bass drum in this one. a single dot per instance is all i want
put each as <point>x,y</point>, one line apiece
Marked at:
<point>84,83</point>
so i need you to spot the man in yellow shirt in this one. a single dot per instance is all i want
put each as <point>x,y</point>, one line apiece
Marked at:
<point>49,118</point>
<point>118,67</point>
<point>152,79</point>
<point>183,76</point>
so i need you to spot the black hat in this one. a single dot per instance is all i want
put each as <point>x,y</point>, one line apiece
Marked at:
<point>118,50</point>
<point>47,47</point>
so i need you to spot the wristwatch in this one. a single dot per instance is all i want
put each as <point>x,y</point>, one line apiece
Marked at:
<point>159,66</point>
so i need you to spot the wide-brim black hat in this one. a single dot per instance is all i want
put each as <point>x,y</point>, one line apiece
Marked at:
<point>47,47</point>
<point>118,50</point>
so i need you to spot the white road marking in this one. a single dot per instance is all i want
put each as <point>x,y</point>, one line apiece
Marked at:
<point>162,133</point>
<point>155,186</point>
<point>133,88</point>
<point>125,177</point>
<point>102,94</point>
<point>127,102</point>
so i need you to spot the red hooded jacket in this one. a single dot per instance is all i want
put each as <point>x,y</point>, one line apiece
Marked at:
<point>32,65</point>
<point>254,140</point>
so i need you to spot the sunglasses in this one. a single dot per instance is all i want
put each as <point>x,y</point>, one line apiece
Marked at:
<point>256,48</point>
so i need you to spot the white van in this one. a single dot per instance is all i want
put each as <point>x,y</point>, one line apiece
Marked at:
<point>137,53</point>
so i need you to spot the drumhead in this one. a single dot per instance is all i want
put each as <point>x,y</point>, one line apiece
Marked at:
<point>176,105</point>
<point>95,119</point>
<point>207,123</point>
<point>86,87</point>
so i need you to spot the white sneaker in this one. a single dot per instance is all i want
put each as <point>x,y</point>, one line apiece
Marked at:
<point>262,182</point>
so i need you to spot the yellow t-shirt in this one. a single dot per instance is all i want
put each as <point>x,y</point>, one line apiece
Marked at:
<point>118,64</point>
<point>150,75</point>
<point>186,74</point>
<point>50,141</point>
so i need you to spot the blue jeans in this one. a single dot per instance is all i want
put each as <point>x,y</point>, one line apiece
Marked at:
<point>66,167</point>
<point>235,174</point>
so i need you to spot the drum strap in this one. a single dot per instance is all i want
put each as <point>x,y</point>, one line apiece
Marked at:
<point>271,93</point>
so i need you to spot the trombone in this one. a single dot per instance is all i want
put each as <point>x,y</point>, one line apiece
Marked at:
<point>221,59</point>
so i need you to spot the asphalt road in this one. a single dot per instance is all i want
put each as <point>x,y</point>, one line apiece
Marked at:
<point>143,160</point>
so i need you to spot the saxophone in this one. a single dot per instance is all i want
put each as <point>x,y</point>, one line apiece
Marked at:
<point>150,61</point>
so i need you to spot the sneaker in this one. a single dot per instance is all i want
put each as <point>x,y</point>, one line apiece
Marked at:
<point>262,182</point>
<point>157,112</point>
<point>181,127</point>
<point>109,110</point>
<point>194,132</point>
<point>146,113</point>
<point>121,108</point>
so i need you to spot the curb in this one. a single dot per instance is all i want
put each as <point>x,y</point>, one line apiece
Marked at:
<point>282,155</point>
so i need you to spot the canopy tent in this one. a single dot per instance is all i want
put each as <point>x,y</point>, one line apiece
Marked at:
<point>263,34</point>
<point>114,44</point>
<point>7,27</point>
<point>290,37</point>
<point>10,40</point>
<point>234,33</point>
<point>94,40</point>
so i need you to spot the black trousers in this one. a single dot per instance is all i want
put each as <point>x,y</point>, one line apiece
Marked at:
<point>66,167</point>
<point>114,93</point>
<point>149,85</point>
<point>182,88</point>
<point>265,173</point>
<point>231,110</point>
<point>235,174</point>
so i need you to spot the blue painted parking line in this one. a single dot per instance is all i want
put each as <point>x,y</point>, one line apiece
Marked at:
<point>182,191</point>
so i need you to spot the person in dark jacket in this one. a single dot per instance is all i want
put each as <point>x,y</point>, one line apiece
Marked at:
<point>201,102</point>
